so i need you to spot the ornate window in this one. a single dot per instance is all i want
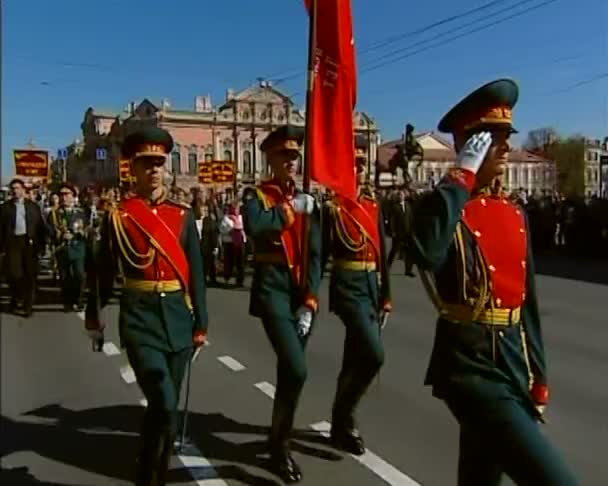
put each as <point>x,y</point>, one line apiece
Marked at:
<point>209,153</point>
<point>193,160</point>
<point>176,160</point>
<point>247,167</point>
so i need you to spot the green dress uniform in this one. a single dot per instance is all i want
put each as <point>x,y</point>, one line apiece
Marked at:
<point>163,309</point>
<point>70,253</point>
<point>488,361</point>
<point>279,289</point>
<point>359,292</point>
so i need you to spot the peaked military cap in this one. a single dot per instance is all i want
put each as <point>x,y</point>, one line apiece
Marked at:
<point>147,142</point>
<point>286,137</point>
<point>489,106</point>
<point>360,146</point>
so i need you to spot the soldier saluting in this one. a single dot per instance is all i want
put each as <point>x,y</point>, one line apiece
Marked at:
<point>163,310</point>
<point>359,293</point>
<point>68,225</point>
<point>473,250</point>
<point>281,295</point>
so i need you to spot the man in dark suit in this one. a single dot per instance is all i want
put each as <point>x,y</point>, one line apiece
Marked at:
<point>401,222</point>
<point>210,244</point>
<point>22,239</point>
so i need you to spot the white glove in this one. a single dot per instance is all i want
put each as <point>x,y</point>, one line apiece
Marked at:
<point>383,318</point>
<point>473,153</point>
<point>304,315</point>
<point>216,251</point>
<point>303,203</point>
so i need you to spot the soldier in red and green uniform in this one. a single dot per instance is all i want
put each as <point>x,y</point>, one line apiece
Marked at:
<point>283,293</point>
<point>472,246</point>
<point>163,310</point>
<point>359,293</point>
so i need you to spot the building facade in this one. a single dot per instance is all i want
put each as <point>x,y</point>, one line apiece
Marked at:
<point>232,131</point>
<point>525,171</point>
<point>596,176</point>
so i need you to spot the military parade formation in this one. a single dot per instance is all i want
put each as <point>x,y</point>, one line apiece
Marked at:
<point>471,246</point>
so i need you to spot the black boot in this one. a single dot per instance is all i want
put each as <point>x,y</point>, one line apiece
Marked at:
<point>153,461</point>
<point>346,437</point>
<point>280,457</point>
<point>344,434</point>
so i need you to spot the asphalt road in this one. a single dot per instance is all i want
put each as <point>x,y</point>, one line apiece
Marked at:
<point>70,416</point>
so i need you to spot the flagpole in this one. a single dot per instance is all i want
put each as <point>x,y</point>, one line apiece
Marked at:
<point>312,47</point>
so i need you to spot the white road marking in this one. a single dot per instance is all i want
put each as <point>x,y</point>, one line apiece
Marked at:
<point>110,349</point>
<point>202,470</point>
<point>266,388</point>
<point>231,363</point>
<point>374,463</point>
<point>128,375</point>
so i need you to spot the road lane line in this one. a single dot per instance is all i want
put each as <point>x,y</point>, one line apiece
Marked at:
<point>266,388</point>
<point>128,375</point>
<point>231,363</point>
<point>201,470</point>
<point>110,349</point>
<point>374,463</point>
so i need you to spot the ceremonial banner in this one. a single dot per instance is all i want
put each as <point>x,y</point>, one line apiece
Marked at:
<point>329,130</point>
<point>223,172</point>
<point>205,172</point>
<point>31,163</point>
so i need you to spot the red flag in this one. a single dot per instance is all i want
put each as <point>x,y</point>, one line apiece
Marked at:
<point>329,130</point>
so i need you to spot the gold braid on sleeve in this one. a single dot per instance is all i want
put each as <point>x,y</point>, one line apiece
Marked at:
<point>125,246</point>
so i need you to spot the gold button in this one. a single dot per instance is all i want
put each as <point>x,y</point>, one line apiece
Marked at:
<point>162,274</point>
<point>492,268</point>
<point>498,302</point>
<point>181,212</point>
<point>517,211</point>
<point>523,295</point>
<point>504,201</point>
<point>155,211</point>
<point>483,201</point>
<point>521,230</point>
<point>523,264</point>
<point>477,233</point>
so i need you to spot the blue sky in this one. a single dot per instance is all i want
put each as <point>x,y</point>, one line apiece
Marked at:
<point>73,54</point>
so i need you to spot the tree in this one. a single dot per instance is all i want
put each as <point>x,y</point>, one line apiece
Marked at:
<point>569,157</point>
<point>540,140</point>
<point>567,153</point>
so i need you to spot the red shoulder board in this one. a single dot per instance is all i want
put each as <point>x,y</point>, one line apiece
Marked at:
<point>272,195</point>
<point>163,225</point>
<point>499,229</point>
<point>360,216</point>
